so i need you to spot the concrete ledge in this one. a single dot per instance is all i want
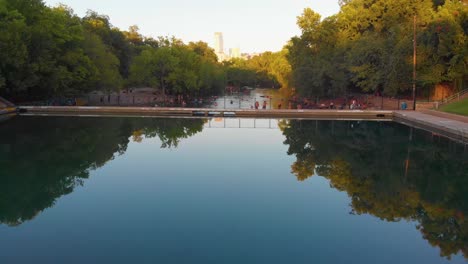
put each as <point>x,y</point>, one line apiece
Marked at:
<point>460,118</point>
<point>108,110</point>
<point>7,113</point>
<point>8,110</point>
<point>189,112</point>
<point>4,103</point>
<point>443,126</point>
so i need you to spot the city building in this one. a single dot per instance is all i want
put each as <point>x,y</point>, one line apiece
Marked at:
<point>234,53</point>
<point>248,56</point>
<point>219,46</point>
<point>218,42</point>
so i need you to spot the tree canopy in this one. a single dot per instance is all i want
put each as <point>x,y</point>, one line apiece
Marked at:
<point>49,52</point>
<point>368,46</point>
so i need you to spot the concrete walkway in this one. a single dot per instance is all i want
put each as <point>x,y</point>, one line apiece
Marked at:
<point>454,128</point>
<point>460,118</point>
<point>7,109</point>
<point>208,112</point>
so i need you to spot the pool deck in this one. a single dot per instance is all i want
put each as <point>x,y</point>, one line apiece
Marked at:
<point>207,112</point>
<point>7,113</point>
<point>452,126</point>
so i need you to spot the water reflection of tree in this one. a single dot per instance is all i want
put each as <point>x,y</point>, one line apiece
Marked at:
<point>171,131</point>
<point>42,159</point>
<point>390,171</point>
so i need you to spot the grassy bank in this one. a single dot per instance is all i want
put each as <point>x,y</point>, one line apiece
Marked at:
<point>460,107</point>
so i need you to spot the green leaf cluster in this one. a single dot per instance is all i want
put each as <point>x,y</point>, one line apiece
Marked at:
<point>368,46</point>
<point>50,52</point>
<point>268,69</point>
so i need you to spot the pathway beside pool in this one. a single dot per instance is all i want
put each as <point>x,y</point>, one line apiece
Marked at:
<point>452,126</point>
<point>455,128</point>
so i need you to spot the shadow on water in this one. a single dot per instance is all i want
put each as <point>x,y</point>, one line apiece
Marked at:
<point>388,170</point>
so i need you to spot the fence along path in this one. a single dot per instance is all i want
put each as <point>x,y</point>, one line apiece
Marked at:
<point>5,103</point>
<point>458,96</point>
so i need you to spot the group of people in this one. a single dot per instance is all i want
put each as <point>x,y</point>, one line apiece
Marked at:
<point>356,105</point>
<point>294,103</point>
<point>257,105</point>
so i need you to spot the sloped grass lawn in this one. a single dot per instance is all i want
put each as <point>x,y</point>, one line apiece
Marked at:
<point>460,107</point>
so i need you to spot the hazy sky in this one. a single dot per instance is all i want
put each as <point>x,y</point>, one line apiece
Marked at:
<point>251,25</point>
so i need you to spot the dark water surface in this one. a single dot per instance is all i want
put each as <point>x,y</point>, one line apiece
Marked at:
<point>145,190</point>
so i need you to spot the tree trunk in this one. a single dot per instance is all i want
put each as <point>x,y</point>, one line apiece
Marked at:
<point>163,91</point>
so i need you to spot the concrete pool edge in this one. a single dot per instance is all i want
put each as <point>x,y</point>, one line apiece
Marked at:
<point>453,129</point>
<point>207,112</point>
<point>441,125</point>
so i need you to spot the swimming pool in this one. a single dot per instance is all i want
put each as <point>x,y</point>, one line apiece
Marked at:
<point>229,191</point>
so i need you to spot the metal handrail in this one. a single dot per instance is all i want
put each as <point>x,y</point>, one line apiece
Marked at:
<point>455,96</point>
<point>6,102</point>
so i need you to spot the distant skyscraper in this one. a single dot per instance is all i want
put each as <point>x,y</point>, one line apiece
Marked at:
<point>219,46</point>
<point>219,42</point>
<point>234,53</point>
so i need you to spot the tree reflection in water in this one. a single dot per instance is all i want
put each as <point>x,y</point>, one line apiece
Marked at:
<point>40,165</point>
<point>390,171</point>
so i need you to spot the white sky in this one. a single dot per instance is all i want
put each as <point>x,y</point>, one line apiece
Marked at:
<point>251,25</point>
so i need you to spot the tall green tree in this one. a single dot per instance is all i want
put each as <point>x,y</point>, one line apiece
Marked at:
<point>120,44</point>
<point>368,46</point>
<point>105,64</point>
<point>316,57</point>
<point>443,49</point>
<point>14,55</point>
<point>154,67</point>
<point>185,78</point>
<point>202,49</point>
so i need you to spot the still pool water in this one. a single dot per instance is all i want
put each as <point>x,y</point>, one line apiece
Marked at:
<point>146,190</point>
